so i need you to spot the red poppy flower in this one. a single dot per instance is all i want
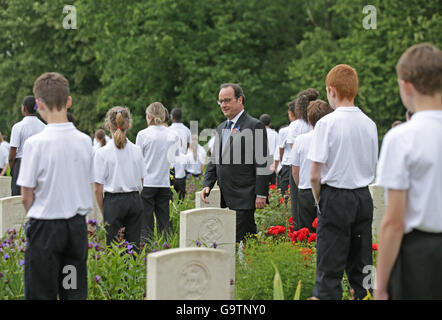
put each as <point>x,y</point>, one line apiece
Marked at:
<point>312,237</point>
<point>302,234</point>
<point>291,220</point>
<point>281,200</point>
<point>272,186</point>
<point>315,223</point>
<point>275,230</point>
<point>374,246</point>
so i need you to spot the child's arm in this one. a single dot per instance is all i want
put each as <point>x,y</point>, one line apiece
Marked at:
<point>4,169</point>
<point>315,180</point>
<point>12,155</point>
<point>27,196</point>
<point>390,238</point>
<point>99,195</point>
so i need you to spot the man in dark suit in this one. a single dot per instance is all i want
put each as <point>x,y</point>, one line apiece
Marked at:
<point>240,161</point>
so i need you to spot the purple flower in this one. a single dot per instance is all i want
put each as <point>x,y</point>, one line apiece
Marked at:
<point>129,247</point>
<point>6,256</point>
<point>198,244</point>
<point>154,250</point>
<point>1,274</point>
<point>90,245</point>
<point>130,252</point>
<point>22,262</point>
<point>232,282</point>
<point>97,279</point>
<point>215,245</point>
<point>165,244</point>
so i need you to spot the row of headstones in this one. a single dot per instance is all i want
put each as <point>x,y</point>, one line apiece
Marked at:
<point>377,194</point>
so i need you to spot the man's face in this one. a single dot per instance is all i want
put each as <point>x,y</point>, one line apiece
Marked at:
<point>230,106</point>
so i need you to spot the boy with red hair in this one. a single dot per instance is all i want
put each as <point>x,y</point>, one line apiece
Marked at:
<point>410,238</point>
<point>344,153</point>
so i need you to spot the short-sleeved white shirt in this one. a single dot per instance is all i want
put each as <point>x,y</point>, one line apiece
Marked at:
<point>300,151</point>
<point>119,170</point>
<point>194,165</point>
<point>211,145</point>
<point>158,152</point>
<point>24,129</point>
<point>282,138</point>
<point>345,141</point>
<point>183,133</point>
<point>272,140</point>
<point>58,164</point>
<point>4,156</point>
<point>296,128</point>
<point>6,145</point>
<point>411,159</point>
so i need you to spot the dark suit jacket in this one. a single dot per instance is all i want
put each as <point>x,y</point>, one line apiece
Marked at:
<point>241,167</point>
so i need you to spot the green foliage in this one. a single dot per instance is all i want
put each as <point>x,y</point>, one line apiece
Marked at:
<point>255,273</point>
<point>178,52</point>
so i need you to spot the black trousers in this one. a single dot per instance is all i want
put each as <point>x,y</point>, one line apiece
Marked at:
<point>123,210</point>
<point>245,224</point>
<point>306,209</point>
<point>272,178</point>
<point>56,259</point>
<point>417,272</point>
<point>294,201</point>
<point>155,200</point>
<point>15,170</point>
<point>343,240</point>
<point>180,187</point>
<point>284,179</point>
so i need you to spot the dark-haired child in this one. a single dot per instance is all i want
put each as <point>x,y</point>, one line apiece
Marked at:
<point>21,131</point>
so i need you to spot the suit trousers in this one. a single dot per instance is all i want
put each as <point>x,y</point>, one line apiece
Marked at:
<point>15,170</point>
<point>344,241</point>
<point>245,224</point>
<point>294,201</point>
<point>417,273</point>
<point>284,179</point>
<point>55,259</point>
<point>306,209</point>
<point>180,187</point>
<point>123,210</point>
<point>155,200</point>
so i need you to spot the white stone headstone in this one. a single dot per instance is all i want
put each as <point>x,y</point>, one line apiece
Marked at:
<point>214,199</point>
<point>12,214</point>
<point>5,186</point>
<point>189,274</point>
<point>212,227</point>
<point>377,193</point>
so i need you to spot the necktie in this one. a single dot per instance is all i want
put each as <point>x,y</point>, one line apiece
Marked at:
<point>226,132</point>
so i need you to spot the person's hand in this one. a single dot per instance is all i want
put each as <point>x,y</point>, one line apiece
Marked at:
<point>260,203</point>
<point>380,295</point>
<point>272,167</point>
<point>205,193</point>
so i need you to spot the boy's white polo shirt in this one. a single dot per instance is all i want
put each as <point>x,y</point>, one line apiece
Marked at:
<point>24,129</point>
<point>282,137</point>
<point>4,156</point>
<point>345,141</point>
<point>272,139</point>
<point>300,151</point>
<point>158,152</point>
<point>297,128</point>
<point>194,165</point>
<point>57,163</point>
<point>119,170</point>
<point>411,159</point>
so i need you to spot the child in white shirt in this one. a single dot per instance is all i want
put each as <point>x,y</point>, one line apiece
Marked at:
<point>410,239</point>
<point>56,176</point>
<point>118,172</point>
